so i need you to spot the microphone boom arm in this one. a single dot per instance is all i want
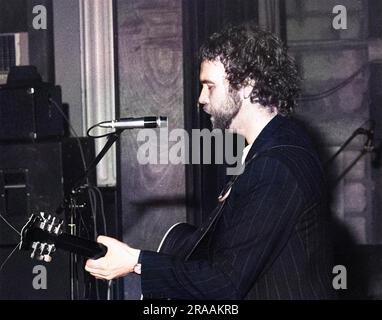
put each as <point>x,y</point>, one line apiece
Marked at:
<point>111,138</point>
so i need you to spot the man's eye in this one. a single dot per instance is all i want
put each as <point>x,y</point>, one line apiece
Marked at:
<point>210,87</point>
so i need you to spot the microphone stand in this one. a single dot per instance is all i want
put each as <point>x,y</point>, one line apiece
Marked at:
<point>367,147</point>
<point>76,189</point>
<point>113,137</point>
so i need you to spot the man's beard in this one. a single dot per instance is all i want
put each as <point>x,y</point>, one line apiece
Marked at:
<point>222,116</point>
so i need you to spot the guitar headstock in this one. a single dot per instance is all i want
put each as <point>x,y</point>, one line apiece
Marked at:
<point>39,234</point>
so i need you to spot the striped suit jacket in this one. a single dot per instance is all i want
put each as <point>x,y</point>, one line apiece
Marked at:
<point>271,240</point>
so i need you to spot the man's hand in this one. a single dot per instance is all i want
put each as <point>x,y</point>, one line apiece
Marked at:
<point>119,260</point>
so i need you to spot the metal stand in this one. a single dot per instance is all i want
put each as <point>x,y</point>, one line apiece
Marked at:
<point>367,147</point>
<point>113,137</point>
<point>71,204</point>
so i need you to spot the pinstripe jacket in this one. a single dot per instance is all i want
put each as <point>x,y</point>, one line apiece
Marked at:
<point>271,239</point>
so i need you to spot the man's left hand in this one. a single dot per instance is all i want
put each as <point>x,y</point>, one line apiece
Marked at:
<point>119,260</point>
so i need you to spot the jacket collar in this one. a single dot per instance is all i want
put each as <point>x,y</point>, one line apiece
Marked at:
<point>263,139</point>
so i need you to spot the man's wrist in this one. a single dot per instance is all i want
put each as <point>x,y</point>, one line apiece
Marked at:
<point>137,266</point>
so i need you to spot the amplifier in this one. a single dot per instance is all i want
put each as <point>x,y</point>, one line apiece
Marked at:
<point>26,113</point>
<point>35,177</point>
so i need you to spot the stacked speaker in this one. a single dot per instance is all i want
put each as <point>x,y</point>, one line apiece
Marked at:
<point>38,166</point>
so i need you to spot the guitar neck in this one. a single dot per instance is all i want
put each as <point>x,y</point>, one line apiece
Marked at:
<point>71,243</point>
<point>81,246</point>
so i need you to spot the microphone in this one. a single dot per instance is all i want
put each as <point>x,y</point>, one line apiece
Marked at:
<point>136,123</point>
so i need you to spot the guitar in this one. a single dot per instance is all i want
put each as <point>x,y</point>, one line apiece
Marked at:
<point>44,234</point>
<point>173,241</point>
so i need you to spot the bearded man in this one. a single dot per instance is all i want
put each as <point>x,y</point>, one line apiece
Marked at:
<point>269,238</point>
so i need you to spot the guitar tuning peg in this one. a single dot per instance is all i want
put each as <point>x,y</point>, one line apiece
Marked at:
<point>39,247</point>
<point>50,227</point>
<point>42,248</point>
<point>34,247</point>
<point>47,256</point>
<point>40,257</point>
<point>58,228</point>
<point>43,216</point>
<point>44,221</point>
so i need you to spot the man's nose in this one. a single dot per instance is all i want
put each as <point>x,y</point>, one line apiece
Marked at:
<point>203,98</point>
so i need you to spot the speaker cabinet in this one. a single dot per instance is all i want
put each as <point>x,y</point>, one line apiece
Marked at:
<point>35,178</point>
<point>26,113</point>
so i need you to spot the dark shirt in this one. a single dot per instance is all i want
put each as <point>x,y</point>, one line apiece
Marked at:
<point>272,238</point>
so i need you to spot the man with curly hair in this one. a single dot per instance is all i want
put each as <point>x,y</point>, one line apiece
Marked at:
<point>269,237</point>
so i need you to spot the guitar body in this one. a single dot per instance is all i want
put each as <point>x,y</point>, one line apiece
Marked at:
<point>175,238</point>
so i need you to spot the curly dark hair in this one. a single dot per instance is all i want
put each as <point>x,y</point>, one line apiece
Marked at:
<point>254,56</point>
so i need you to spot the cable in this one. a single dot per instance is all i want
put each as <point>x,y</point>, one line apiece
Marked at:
<point>360,131</point>
<point>96,201</point>
<point>73,202</point>
<point>102,210</point>
<point>9,256</point>
<point>109,288</point>
<point>93,204</point>
<point>73,132</point>
<point>100,136</point>
<point>91,194</point>
<point>75,216</point>
<point>19,233</point>
<point>324,94</point>
<point>82,223</point>
<point>10,225</point>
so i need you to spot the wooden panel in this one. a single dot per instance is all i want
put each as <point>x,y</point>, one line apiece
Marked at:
<point>151,83</point>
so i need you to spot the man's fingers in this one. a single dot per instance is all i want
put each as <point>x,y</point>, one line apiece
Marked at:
<point>97,276</point>
<point>94,266</point>
<point>106,240</point>
<point>102,276</point>
<point>99,263</point>
<point>97,272</point>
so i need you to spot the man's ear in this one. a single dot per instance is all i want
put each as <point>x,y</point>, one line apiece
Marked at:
<point>247,89</point>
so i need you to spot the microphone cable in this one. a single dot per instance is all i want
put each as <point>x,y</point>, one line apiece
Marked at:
<point>91,194</point>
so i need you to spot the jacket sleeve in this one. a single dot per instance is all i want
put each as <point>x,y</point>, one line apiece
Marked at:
<point>265,207</point>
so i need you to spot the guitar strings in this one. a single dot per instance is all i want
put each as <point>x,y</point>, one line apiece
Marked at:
<point>9,256</point>
<point>10,225</point>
